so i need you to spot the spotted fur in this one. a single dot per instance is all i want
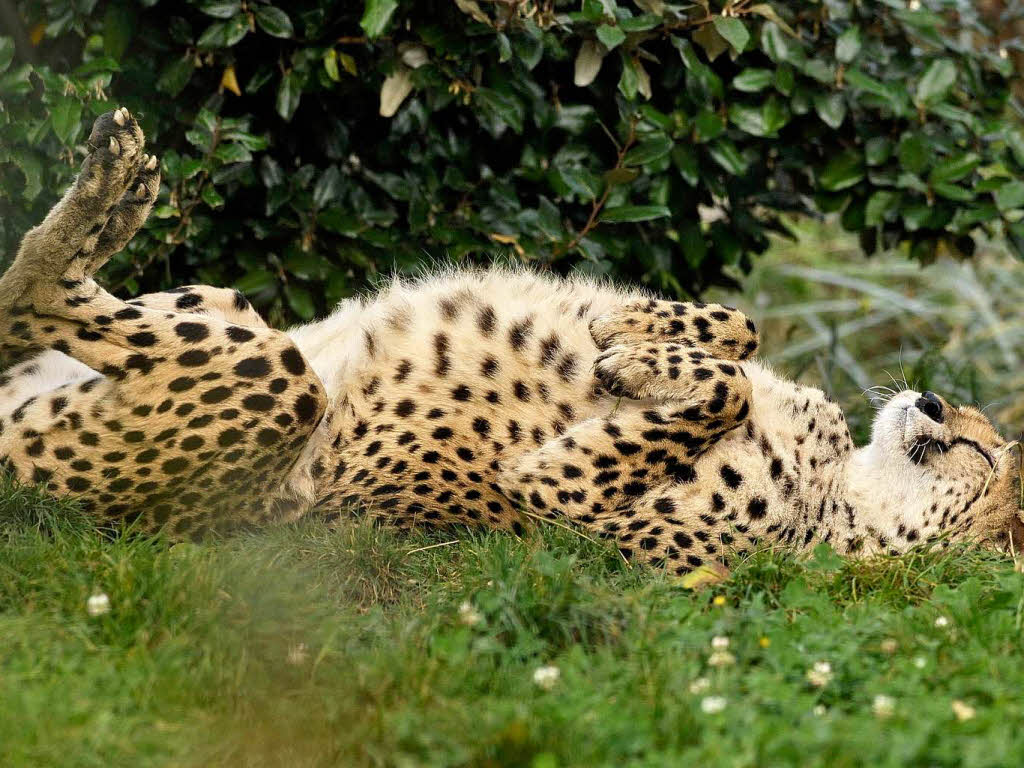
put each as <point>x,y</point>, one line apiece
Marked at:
<point>487,397</point>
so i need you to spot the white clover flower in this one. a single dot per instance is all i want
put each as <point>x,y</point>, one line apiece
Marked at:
<point>721,659</point>
<point>719,642</point>
<point>914,5</point>
<point>298,654</point>
<point>546,677</point>
<point>700,685</point>
<point>920,662</point>
<point>962,710</point>
<point>469,615</point>
<point>97,604</point>
<point>941,622</point>
<point>712,705</point>
<point>820,674</point>
<point>1003,53</point>
<point>819,710</point>
<point>889,645</point>
<point>883,706</point>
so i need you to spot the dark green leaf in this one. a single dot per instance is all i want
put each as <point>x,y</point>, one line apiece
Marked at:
<point>505,106</point>
<point>1010,195</point>
<point>914,152</point>
<point>224,34</point>
<point>955,168</point>
<point>118,25</point>
<point>936,81</point>
<point>256,281</point>
<point>376,16</point>
<point>848,45</point>
<point>751,80</point>
<point>300,300</point>
<point>877,150</point>
<point>66,119</point>
<point>881,206</point>
<point>610,36</point>
<point>232,153</point>
<point>778,46</point>
<point>328,187</point>
<point>953,192</point>
<point>785,79</point>
<point>725,153</point>
<point>176,75</point>
<point>819,70</point>
<point>709,124</point>
<point>631,213</point>
<point>831,108</point>
<point>708,38</point>
<point>17,82</point>
<point>774,114</point>
<point>629,80</point>
<point>212,197</point>
<point>289,93</point>
<point>273,20</point>
<point>842,172</point>
<point>640,23</point>
<point>733,30</point>
<point>685,159</point>
<point>6,53</point>
<point>894,99</point>
<point>649,150</point>
<point>618,176</point>
<point>31,168</point>
<point>221,9</point>
<point>748,118</point>
<point>583,182</point>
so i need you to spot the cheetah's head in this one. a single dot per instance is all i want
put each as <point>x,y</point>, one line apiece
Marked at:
<point>953,453</point>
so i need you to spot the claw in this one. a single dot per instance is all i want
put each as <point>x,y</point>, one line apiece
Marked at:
<point>118,117</point>
<point>114,147</point>
<point>151,164</point>
<point>140,191</point>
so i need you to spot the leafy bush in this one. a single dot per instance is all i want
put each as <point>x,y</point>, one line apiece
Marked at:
<point>308,146</point>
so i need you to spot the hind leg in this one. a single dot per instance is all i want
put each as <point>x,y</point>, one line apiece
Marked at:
<point>191,421</point>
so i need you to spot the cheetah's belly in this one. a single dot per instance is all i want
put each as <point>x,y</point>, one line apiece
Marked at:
<point>446,393</point>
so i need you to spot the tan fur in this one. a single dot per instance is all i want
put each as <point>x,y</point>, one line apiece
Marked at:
<point>465,397</point>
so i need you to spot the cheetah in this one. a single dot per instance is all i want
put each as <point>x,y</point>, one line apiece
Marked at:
<point>487,397</point>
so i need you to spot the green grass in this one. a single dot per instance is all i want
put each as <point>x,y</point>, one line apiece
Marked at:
<point>310,646</point>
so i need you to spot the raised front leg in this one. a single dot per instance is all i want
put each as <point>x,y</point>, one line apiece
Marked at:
<point>720,331</point>
<point>601,467</point>
<point>117,182</point>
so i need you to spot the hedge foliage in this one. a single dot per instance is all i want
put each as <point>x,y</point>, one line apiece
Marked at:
<point>309,145</point>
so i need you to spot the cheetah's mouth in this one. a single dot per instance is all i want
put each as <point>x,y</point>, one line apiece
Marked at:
<point>921,449</point>
<point>922,437</point>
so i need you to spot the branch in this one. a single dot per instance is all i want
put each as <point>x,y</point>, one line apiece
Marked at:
<point>598,205</point>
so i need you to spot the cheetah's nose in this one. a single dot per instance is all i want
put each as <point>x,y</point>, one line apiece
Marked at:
<point>930,405</point>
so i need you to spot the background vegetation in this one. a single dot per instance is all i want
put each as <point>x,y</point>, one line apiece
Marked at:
<point>308,146</point>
